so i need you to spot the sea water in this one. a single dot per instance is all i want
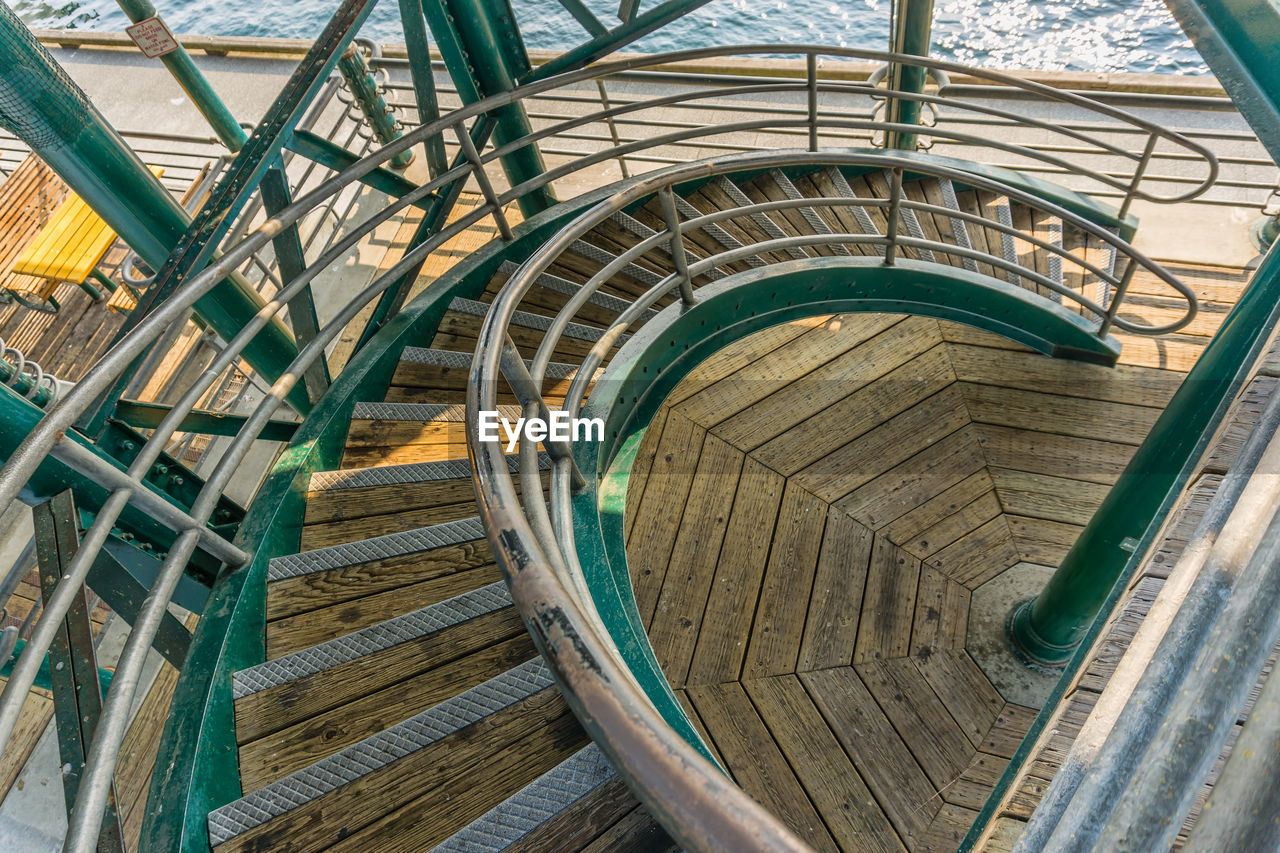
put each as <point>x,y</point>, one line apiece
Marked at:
<point>1074,35</point>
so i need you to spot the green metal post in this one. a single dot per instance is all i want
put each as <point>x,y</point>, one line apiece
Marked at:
<point>184,70</point>
<point>483,64</point>
<point>1047,628</point>
<point>50,113</point>
<point>424,81</point>
<point>912,31</point>
<point>364,88</point>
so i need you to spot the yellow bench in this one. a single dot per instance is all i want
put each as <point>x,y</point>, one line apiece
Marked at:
<point>68,249</point>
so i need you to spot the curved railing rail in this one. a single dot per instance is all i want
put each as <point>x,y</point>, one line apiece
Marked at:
<point>627,736</point>
<point>534,541</point>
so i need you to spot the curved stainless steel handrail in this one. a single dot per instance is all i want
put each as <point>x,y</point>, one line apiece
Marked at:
<point>535,546</point>
<point>49,437</point>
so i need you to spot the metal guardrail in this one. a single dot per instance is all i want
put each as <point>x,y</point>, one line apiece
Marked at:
<point>667,779</point>
<point>532,534</point>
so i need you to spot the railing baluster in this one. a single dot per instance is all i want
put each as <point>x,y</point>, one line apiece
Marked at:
<point>613,127</point>
<point>672,219</point>
<point>1143,162</point>
<point>528,393</point>
<point>1117,298</point>
<point>811,68</point>
<point>482,178</point>
<point>895,205</point>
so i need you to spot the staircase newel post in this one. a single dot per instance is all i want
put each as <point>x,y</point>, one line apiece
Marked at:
<point>912,33</point>
<point>1047,629</point>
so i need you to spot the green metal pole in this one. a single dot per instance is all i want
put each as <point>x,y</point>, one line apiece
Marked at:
<point>912,31</point>
<point>1047,628</point>
<point>50,113</point>
<point>424,81</point>
<point>184,70</point>
<point>483,64</point>
<point>364,88</point>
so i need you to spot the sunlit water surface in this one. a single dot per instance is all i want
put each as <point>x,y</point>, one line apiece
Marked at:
<point>1076,35</point>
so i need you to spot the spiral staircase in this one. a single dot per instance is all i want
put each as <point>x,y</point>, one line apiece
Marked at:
<point>402,704</point>
<point>842,388</point>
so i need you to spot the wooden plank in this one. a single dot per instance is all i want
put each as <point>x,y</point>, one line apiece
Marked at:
<point>1031,410</point>
<point>942,614</point>
<point>1041,541</point>
<point>660,511</point>
<point>755,761</point>
<point>466,794</point>
<point>738,355</point>
<point>726,623</point>
<point>846,805</point>
<point>870,455</point>
<point>316,626</point>
<point>321,822</point>
<point>263,712</point>
<point>677,619</point>
<point>888,607</point>
<point>1085,459</point>
<point>777,369</point>
<point>977,781</point>
<point>326,589</point>
<point>964,521</point>
<point>947,830</point>
<point>979,556</point>
<point>890,771</point>
<point>958,333</point>
<point>638,832</point>
<point>859,412</point>
<point>934,468</point>
<point>1031,371</point>
<point>907,530</point>
<point>274,756</point>
<point>1052,498</point>
<point>1008,730</point>
<point>920,717</point>
<point>788,582</point>
<point>831,626</point>
<point>965,690</point>
<point>582,823</point>
<point>692,713</point>
<point>34,718</point>
<point>829,382</point>
<point>640,467</point>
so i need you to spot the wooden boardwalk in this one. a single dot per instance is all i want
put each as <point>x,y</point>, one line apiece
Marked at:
<point>808,517</point>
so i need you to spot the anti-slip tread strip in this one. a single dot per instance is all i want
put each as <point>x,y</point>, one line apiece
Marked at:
<point>554,283</point>
<point>865,222</point>
<point>450,413</point>
<point>419,540</point>
<point>533,805</point>
<point>462,361</point>
<point>368,641</point>
<point>810,216</point>
<point>538,322</point>
<point>378,751</point>
<point>738,197</point>
<point>409,473</point>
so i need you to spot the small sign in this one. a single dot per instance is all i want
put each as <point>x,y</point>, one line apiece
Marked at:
<point>152,37</point>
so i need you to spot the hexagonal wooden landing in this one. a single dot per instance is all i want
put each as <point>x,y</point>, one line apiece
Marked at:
<point>807,520</point>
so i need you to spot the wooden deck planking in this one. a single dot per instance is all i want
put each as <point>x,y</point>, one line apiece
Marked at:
<point>726,621</point>
<point>783,602</point>
<point>755,760</point>
<point>686,584</point>
<point>831,625</point>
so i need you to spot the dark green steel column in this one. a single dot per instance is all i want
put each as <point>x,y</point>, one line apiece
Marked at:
<point>912,32</point>
<point>193,82</point>
<point>1048,628</point>
<point>481,64</point>
<point>48,111</point>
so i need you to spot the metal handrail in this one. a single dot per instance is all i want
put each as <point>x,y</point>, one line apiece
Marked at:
<point>535,545</point>
<point>49,437</point>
